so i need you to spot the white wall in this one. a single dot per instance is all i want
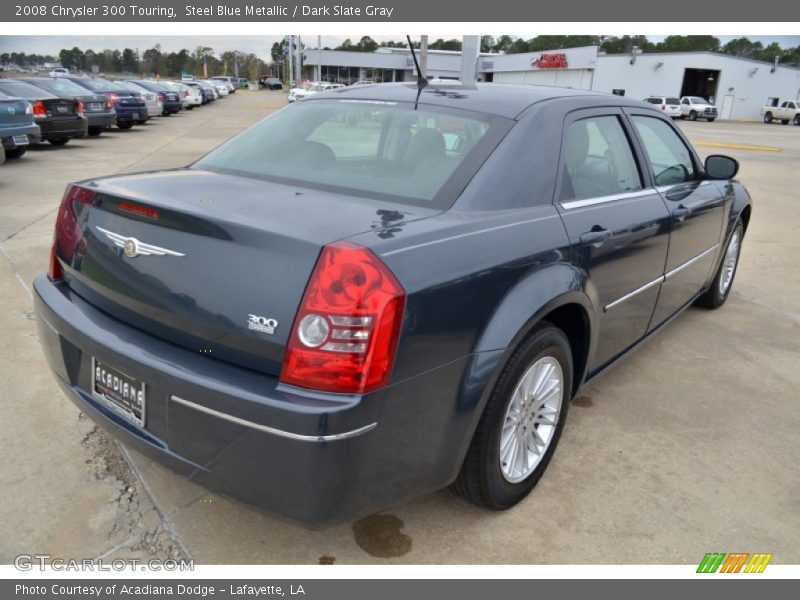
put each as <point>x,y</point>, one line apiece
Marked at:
<point>571,78</point>
<point>750,89</point>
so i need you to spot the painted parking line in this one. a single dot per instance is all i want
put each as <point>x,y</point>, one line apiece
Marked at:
<point>738,146</point>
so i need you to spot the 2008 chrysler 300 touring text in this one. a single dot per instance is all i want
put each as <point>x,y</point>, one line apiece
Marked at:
<point>375,293</point>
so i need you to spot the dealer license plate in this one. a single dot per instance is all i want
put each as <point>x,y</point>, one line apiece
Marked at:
<point>122,393</point>
<point>60,108</point>
<point>135,116</point>
<point>96,106</point>
<point>20,140</point>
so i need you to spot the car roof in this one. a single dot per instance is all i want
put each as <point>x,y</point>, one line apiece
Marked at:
<point>505,100</point>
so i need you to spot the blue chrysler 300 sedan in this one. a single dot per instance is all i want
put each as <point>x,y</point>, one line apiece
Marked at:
<point>381,291</point>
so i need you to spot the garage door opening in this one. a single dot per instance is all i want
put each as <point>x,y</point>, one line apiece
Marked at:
<point>700,82</point>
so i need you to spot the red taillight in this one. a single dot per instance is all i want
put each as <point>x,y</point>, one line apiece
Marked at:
<point>109,104</point>
<point>161,97</point>
<point>663,107</point>
<point>185,93</point>
<point>68,234</point>
<point>344,335</point>
<point>39,109</point>
<point>112,97</point>
<point>80,108</point>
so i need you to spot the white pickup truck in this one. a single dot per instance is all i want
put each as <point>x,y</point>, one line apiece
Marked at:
<point>785,111</point>
<point>695,107</point>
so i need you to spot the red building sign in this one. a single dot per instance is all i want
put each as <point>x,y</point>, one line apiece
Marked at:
<point>555,60</point>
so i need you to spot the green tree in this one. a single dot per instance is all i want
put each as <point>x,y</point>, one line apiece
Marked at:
<point>130,62</point>
<point>689,43</point>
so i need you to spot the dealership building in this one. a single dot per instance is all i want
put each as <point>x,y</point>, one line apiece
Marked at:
<point>739,87</point>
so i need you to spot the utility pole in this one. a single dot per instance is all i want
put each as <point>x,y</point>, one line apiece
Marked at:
<point>423,55</point>
<point>290,56</point>
<point>470,49</point>
<point>299,59</point>
<point>319,58</point>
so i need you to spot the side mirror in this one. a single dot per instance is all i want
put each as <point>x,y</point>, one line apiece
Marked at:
<point>721,167</point>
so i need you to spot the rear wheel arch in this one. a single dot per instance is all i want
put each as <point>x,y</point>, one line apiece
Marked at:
<point>745,217</point>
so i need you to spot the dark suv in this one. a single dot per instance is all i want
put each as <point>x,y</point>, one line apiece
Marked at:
<point>381,291</point>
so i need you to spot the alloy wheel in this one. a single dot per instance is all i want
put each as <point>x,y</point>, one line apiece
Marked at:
<point>531,418</point>
<point>729,264</point>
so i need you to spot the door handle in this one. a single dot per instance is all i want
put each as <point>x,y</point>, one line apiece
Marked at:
<point>680,213</point>
<point>595,237</point>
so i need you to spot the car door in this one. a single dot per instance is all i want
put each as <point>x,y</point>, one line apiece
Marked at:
<point>696,207</point>
<point>617,223</point>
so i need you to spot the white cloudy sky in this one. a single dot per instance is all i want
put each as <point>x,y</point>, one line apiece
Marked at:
<point>260,45</point>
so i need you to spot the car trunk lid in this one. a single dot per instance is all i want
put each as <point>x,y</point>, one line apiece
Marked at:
<point>208,261</point>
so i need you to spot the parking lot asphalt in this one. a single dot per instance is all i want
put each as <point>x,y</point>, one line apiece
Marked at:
<point>688,446</point>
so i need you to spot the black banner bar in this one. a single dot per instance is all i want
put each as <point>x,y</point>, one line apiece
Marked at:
<point>472,11</point>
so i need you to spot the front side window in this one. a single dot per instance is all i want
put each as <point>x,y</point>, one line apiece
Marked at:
<point>368,148</point>
<point>598,160</point>
<point>670,158</point>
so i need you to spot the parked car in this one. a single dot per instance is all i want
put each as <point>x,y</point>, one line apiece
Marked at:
<point>785,111</point>
<point>242,82</point>
<point>309,89</point>
<point>171,102</point>
<point>97,109</point>
<point>153,105</point>
<point>206,90</point>
<point>190,96</point>
<point>59,72</point>
<point>390,311</point>
<point>18,130</point>
<point>59,119</point>
<point>129,106</point>
<point>220,86</point>
<point>230,82</point>
<point>271,83</point>
<point>695,107</point>
<point>669,105</point>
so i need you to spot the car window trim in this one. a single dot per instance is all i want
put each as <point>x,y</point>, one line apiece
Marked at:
<point>700,173</point>
<point>644,174</point>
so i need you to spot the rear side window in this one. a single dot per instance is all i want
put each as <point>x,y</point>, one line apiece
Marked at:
<point>673,101</point>
<point>367,148</point>
<point>670,158</point>
<point>598,160</point>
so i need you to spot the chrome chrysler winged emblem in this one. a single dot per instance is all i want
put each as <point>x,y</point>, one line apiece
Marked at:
<point>133,247</point>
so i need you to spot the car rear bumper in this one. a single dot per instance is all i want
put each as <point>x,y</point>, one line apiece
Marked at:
<point>32,131</point>
<point>314,458</point>
<point>126,114</point>
<point>63,128</point>
<point>105,119</point>
<point>173,106</point>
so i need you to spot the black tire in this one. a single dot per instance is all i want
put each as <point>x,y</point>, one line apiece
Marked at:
<point>768,117</point>
<point>784,121</point>
<point>17,152</point>
<point>714,297</point>
<point>190,107</point>
<point>58,141</point>
<point>165,113</point>
<point>125,125</point>
<point>693,115</point>
<point>95,131</point>
<point>711,120</point>
<point>481,480</point>
<point>796,120</point>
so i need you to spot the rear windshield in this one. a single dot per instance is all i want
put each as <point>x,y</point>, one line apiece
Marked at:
<point>673,101</point>
<point>101,85</point>
<point>62,86</point>
<point>24,90</point>
<point>377,149</point>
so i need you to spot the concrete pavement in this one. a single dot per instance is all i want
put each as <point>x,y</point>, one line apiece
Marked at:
<point>688,446</point>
